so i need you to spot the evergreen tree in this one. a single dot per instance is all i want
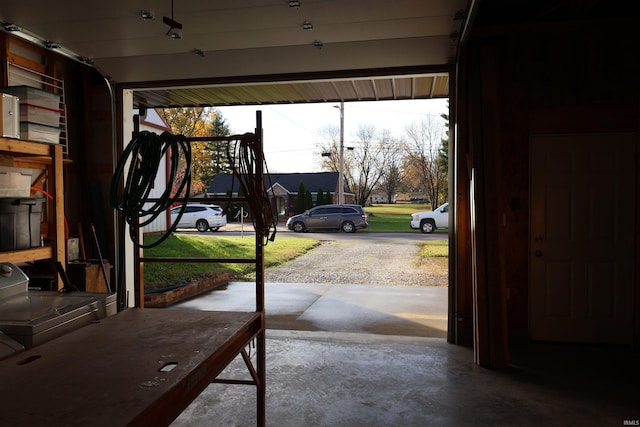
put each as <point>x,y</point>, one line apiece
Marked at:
<point>218,149</point>
<point>308,200</point>
<point>443,155</point>
<point>320,198</point>
<point>300,200</point>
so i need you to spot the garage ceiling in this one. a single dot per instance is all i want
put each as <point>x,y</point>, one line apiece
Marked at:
<point>254,51</point>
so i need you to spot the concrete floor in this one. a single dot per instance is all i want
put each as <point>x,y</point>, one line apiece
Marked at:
<point>375,356</point>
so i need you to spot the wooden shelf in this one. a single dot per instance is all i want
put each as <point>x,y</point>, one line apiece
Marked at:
<point>28,255</point>
<point>49,155</point>
<point>20,146</point>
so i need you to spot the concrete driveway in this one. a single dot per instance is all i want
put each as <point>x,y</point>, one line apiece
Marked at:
<point>337,354</point>
<point>358,283</point>
<point>419,311</point>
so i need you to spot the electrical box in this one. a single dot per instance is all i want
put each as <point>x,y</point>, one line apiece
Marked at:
<point>10,118</point>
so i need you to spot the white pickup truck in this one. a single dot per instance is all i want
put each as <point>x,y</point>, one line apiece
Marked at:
<point>429,221</point>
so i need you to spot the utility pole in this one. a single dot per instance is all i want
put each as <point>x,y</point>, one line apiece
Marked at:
<point>341,167</point>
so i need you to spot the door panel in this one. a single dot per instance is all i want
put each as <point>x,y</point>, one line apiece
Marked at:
<point>581,241</point>
<point>317,219</point>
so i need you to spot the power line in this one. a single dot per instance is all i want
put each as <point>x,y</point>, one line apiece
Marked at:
<point>290,150</point>
<point>290,120</point>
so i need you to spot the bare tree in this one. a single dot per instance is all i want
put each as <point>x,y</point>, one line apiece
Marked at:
<point>392,158</point>
<point>424,140</point>
<point>366,162</point>
<point>329,147</point>
<point>363,160</point>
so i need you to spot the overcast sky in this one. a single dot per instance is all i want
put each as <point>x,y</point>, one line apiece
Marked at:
<point>292,132</point>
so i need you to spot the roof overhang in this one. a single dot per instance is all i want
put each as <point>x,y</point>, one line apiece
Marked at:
<point>389,85</point>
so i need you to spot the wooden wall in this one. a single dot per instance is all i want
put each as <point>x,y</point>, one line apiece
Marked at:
<point>89,162</point>
<point>513,82</point>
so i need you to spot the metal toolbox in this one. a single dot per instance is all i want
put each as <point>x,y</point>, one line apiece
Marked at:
<point>10,118</point>
<point>32,317</point>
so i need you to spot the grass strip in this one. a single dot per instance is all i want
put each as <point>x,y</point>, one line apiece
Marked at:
<point>162,275</point>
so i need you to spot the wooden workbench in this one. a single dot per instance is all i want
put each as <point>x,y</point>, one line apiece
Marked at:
<point>108,373</point>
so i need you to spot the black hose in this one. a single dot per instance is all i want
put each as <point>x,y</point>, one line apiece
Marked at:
<point>242,157</point>
<point>144,156</point>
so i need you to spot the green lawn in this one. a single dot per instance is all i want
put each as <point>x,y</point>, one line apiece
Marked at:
<point>394,218</point>
<point>435,249</point>
<point>382,218</point>
<point>161,275</point>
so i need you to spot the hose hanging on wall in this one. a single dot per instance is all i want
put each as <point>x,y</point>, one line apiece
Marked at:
<point>242,156</point>
<point>144,155</point>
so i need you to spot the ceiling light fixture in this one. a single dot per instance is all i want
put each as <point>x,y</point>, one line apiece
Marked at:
<point>174,34</point>
<point>306,25</point>
<point>198,52</point>
<point>11,28</point>
<point>86,60</point>
<point>147,15</point>
<point>294,4</point>
<point>174,26</point>
<point>52,45</point>
<point>318,44</point>
<point>26,35</point>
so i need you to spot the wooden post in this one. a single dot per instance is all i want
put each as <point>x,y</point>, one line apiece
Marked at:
<point>58,210</point>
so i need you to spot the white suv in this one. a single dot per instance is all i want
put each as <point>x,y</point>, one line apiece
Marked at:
<point>201,217</point>
<point>429,221</point>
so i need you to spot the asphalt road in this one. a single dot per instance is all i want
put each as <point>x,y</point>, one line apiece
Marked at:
<point>234,229</point>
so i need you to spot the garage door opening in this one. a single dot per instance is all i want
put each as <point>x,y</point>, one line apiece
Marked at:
<point>385,279</point>
<point>337,314</point>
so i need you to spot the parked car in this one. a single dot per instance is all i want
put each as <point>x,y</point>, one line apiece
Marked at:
<point>347,218</point>
<point>429,221</point>
<point>200,216</point>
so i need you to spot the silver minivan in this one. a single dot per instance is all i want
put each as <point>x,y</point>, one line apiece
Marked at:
<point>347,218</point>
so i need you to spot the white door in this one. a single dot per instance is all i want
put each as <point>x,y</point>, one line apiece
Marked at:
<point>581,238</point>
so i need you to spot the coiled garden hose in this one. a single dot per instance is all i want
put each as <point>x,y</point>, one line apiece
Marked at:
<point>142,158</point>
